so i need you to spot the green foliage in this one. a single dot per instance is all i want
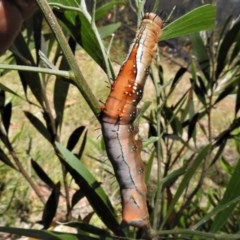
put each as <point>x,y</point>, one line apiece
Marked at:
<point>183,142</point>
<point>201,18</point>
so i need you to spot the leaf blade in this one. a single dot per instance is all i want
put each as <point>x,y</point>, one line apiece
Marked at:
<point>200,18</point>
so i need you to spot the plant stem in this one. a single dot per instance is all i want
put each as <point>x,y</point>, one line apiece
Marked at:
<point>26,176</point>
<point>83,9</point>
<point>110,73</point>
<point>157,209</point>
<point>20,168</point>
<point>56,72</point>
<point>79,79</point>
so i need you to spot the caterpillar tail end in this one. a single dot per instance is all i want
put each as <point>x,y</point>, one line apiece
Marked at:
<point>134,212</point>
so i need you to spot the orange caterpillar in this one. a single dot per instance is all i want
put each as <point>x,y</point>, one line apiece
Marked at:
<point>118,115</point>
<point>12,15</point>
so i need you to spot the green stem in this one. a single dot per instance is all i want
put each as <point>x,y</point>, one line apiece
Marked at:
<point>79,80</point>
<point>100,42</point>
<point>158,198</point>
<point>56,72</point>
<point>83,9</point>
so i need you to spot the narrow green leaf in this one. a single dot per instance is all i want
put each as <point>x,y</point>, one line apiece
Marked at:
<point>216,210</point>
<point>87,228</point>
<point>141,112</point>
<point>4,158</point>
<point>192,126</point>
<point>78,22</point>
<point>229,89</point>
<point>149,167</point>
<point>201,53</point>
<point>109,29</point>
<point>103,10</point>
<point>29,79</point>
<point>190,172</point>
<point>74,137</point>
<point>173,176</point>
<point>92,190</point>
<point>151,140</point>
<point>173,119</point>
<point>6,89</point>
<point>2,99</point>
<point>42,174</point>
<point>60,94</point>
<point>44,234</point>
<point>236,49</point>
<point>237,102</point>
<point>6,116</point>
<point>232,192</point>
<point>225,46</point>
<point>76,197</point>
<point>177,78</point>
<point>82,146</point>
<point>199,19</point>
<point>38,125</point>
<point>50,207</point>
<point>198,89</point>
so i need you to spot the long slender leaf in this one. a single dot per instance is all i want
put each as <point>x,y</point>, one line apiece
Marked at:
<point>173,176</point>
<point>6,89</point>
<point>103,10</point>
<point>38,125</point>
<point>60,94</point>
<point>92,189</point>
<point>5,159</point>
<point>199,19</point>
<point>42,174</point>
<point>232,192</point>
<point>225,46</point>
<point>188,176</point>
<point>79,24</point>
<point>87,228</point>
<point>201,53</point>
<point>107,30</point>
<point>217,210</point>
<point>50,207</point>
<point>74,137</point>
<point>6,116</point>
<point>77,196</point>
<point>45,235</point>
<point>237,102</point>
<point>29,79</point>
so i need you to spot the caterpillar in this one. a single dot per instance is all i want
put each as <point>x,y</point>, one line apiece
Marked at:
<point>117,117</point>
<point>12,15</point>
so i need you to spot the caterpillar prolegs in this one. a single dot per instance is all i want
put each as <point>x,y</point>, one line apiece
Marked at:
<point>118,115</point>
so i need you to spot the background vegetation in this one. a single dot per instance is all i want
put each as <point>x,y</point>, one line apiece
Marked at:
<point>54,171</point>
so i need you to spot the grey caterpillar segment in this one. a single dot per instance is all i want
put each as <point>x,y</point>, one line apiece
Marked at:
<point>122,147</point>
<point>124,151</point>
<point>118,115</point>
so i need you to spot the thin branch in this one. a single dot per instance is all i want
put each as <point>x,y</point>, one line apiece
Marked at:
<point>56,72</point>
<point>79,79</point>
<point>20,168</point>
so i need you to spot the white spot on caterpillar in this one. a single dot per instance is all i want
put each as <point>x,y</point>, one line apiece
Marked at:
<point>134,148</point>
